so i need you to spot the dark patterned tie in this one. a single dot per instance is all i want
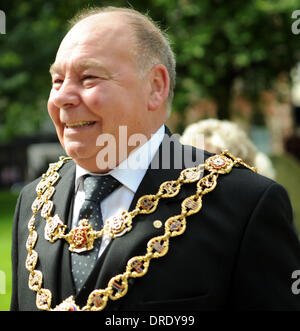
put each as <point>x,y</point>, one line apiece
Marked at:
<point>96,189</point>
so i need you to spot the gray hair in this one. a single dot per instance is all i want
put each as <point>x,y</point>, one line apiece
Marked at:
<point>152,44</point>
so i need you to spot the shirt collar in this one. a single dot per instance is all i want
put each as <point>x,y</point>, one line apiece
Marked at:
<point>131,171</point>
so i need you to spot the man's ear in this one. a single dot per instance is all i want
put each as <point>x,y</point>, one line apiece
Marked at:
<point>159,86</point>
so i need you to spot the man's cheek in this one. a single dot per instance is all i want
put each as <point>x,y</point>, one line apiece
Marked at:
<point>53,111</point>
<point>54,115</point>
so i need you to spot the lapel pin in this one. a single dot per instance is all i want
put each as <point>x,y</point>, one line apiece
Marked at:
<point>157,224</point>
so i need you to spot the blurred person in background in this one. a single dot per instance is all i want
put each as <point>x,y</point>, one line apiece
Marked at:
<point>220,135</point>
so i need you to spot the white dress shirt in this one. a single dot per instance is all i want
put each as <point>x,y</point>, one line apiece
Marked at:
<point>129,173</point>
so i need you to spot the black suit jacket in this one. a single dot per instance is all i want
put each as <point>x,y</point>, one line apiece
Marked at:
<point>237,253</point>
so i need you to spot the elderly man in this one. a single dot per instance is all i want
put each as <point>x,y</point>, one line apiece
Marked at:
<point>97,232</point>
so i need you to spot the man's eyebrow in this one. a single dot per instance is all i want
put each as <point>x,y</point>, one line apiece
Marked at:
<point>54,68</point>
<point>82,65</point>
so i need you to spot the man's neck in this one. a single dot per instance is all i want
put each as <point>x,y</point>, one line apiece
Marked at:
<point>101,164</point>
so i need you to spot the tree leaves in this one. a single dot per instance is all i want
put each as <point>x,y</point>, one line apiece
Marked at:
<point>215,41</point>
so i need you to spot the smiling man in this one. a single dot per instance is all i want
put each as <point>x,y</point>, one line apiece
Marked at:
<point>90,236</point>
<point>97,88</point>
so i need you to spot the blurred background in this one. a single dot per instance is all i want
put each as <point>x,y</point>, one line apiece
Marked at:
<point>236,60</point>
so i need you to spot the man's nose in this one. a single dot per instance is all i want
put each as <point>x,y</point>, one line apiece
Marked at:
<point>67,95</point>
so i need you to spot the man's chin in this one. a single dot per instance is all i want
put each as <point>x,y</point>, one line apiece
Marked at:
<point>83,157</point>
<point>78,151</point>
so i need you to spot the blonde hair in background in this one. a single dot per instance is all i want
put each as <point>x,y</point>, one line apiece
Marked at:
<point>219,135</point>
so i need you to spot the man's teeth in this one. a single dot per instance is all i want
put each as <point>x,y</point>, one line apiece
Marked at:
<point>78,124</point>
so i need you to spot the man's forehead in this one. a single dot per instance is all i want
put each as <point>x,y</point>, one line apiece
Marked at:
<point>99,26</point>
<point>102,31</point>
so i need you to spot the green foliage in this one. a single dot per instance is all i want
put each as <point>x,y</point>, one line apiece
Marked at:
<point>216,41</point>
<point>285,166</point>
<point>7,205</point>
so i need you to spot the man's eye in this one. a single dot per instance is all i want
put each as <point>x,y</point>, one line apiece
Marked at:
<point>88,77</point>
<point>58,81</point>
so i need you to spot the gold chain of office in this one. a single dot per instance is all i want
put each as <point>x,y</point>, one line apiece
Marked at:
<point>157,247</point>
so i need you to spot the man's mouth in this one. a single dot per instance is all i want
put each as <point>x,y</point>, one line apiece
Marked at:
<point>79,124</point>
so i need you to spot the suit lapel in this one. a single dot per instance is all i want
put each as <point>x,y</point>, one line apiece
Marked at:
<point>52,256</point>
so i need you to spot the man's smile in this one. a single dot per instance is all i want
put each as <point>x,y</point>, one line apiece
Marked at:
<point>79,124</point>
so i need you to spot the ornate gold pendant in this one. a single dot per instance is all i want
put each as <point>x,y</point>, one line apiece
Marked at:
<point>82,237</point>
<point>220,163</point>
<point>67,305</point>
<point>118,225</point>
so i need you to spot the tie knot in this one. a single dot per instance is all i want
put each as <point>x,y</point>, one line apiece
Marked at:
<point>97,188</point>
